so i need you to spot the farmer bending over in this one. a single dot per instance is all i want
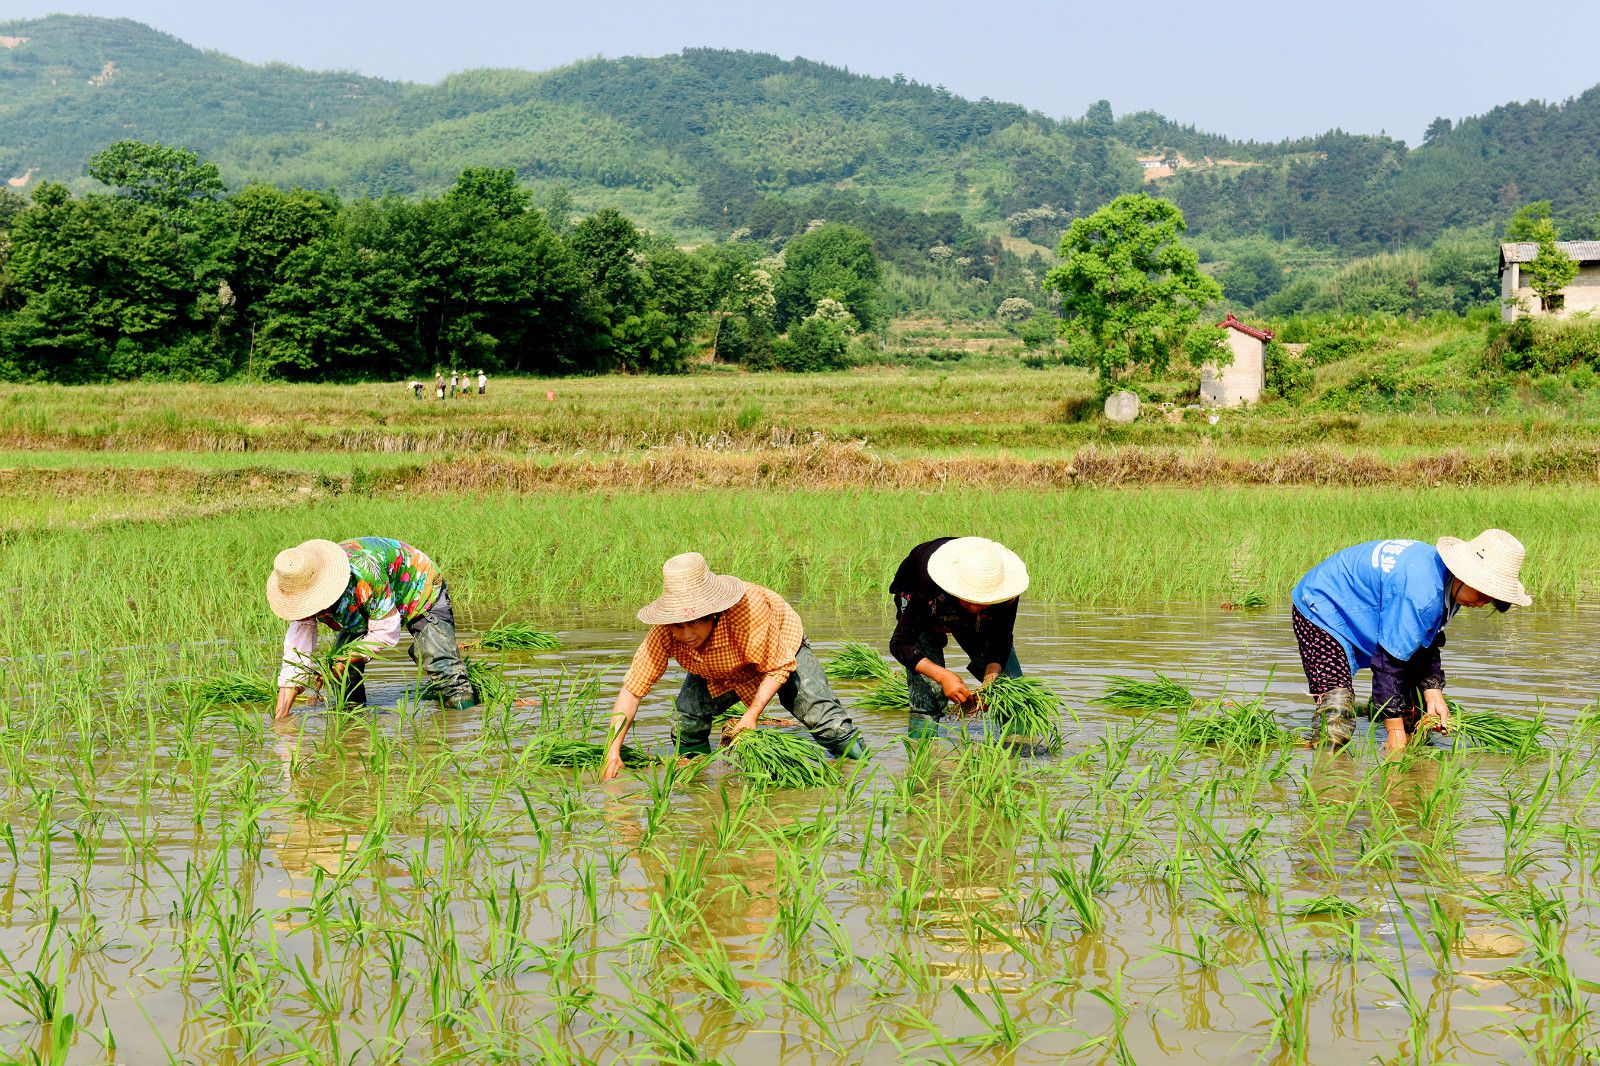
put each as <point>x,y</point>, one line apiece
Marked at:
<point>737,642</point>
<point>364,590</point>
<point>965,587</point>
<point>1384,604</point>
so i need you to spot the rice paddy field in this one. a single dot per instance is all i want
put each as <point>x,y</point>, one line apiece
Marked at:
<point>1170,876</point>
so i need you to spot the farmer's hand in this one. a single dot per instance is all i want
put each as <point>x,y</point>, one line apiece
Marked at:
<point>955,690</point>
<point>613,766</point>
<point>1434,706</point>
<point>747,720</point>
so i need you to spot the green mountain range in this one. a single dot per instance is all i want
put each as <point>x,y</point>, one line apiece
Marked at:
<point>711,141</point>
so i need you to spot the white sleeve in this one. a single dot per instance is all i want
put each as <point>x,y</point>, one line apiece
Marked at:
<point>299,652</point>
<point>383,632</point>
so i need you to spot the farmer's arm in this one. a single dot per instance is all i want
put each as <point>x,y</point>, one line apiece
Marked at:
<point>649,663</point>
<point>770,684</point>
<point>299,647</point>
<point>911,621</point>
<point>1000,622</point>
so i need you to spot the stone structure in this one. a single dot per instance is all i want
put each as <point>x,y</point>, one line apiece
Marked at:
<point>1241,381</point>
<point>1122,407</point>
<point>1582,293</point>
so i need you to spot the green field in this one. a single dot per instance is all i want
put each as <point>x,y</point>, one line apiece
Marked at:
<point>186,882</point>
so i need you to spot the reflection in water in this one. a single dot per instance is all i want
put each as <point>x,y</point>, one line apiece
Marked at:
<point>397,885</point>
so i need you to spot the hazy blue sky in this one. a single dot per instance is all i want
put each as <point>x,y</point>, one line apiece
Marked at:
<point>1246,68</point>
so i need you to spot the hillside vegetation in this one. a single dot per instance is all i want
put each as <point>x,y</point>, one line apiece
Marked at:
<point>711,142</point>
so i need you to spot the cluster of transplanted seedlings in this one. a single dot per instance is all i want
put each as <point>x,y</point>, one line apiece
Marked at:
<point>184,881</point>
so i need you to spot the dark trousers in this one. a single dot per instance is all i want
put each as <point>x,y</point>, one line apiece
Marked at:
<point>433,647</point>
<point>806,695</point>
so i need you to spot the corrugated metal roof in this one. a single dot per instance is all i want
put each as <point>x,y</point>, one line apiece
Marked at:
<point>1582,251</point>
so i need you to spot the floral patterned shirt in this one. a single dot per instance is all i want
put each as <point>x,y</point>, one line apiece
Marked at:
<point>386,575</point>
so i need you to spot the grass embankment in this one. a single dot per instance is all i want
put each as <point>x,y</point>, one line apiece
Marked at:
<point>906,413</point>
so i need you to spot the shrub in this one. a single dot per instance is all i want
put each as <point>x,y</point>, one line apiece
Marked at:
<point>812,345</point>
<point>1326,350</point>
<point>1287,376</point>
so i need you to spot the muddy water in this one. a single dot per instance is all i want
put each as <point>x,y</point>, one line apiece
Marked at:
<point>395,886</point>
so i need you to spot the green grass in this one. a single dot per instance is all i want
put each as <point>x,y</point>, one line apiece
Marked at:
<point>779,759</point>
<point>855,661</point>
<point>1131,694</point>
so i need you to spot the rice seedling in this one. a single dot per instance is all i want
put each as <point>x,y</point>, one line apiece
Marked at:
<point>1022,707</point>
<point>235,686</point>
<point>1248,601</point>
<point>551,750</point>
<point>518,636</point>
<point>1234,725</point>
<point>856,661</point>
<point>1492,731</point>
<point>1131,694</point>
<point>780,759</point>
<point>489,682</point>
<point>891,694</point>
<point>1330,907</point>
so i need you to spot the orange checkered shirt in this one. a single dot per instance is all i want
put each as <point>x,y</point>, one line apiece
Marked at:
<point>755,637</point>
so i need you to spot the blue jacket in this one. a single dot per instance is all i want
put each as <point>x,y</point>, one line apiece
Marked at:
<point>1388,594</point>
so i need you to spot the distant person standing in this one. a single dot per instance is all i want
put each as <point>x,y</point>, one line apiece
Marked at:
<point>453,379</point>
<point>416,388</point>
<point>438,387</point>
<point>483,382</point>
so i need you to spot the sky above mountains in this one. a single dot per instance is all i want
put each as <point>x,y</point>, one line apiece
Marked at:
<point>1249,69</point>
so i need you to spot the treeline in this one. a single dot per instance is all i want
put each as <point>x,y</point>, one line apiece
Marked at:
<point>170,274</point>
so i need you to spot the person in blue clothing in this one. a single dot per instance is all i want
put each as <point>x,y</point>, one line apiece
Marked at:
<point>1384,604</point>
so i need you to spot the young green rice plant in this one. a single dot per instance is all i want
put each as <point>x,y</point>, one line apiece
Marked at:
<point>856,661</point>
<point>1234,725</point>
<point>234,686</point>
<point>891,694</point>
<point>1023,707</point>
<point>1130,694</point>
<point>518,636</point>
<point>550,750</point>
<point>489,682</point>
<point>1494,732</point>
<point>780,759</point>
<point>1330,908</point>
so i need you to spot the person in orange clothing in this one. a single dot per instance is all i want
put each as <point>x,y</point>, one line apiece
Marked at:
<point>736,641</point>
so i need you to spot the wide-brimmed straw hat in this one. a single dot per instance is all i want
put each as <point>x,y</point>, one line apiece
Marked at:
<point>307,578</point>
<point>689,590</point>
<point>1491,562</point>
<point>978,570</point>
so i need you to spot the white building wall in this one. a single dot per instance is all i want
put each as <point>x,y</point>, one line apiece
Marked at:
<point>1241,381</point>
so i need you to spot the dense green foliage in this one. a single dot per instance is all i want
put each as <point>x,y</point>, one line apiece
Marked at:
<point>168,275</point>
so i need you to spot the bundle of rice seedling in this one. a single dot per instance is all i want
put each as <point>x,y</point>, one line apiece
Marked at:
<point>1248,601</point>
<point>1492,731</point>
<point>780,759</point>
<point>856,661</point>
<point>235,686</point>
<point>891,694</point>
<point>519,636</point>
<point>551,750</point>
<point>1329,907</point>
<point>487,681</point>
<point>1162,694</point>
<point>1023,707</point>
<point>1235,725</point>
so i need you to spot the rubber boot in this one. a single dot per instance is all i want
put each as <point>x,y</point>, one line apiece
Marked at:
<point>1336,713</point>
<point>460,703</point>
<point>922,726</point>
<point>855,749</point>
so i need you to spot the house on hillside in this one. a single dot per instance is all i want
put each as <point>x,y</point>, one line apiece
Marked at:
<point>1241,381</point>
<point>1581,294</point>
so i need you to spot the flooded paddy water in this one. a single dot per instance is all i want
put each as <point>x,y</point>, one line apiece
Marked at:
<point>194,884</point>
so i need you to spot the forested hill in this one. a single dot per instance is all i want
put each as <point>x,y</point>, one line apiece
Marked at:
<point>717,140</point>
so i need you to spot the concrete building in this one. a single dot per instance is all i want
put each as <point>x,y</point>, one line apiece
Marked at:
<point>1241,381</point>
<point>1582,293</point>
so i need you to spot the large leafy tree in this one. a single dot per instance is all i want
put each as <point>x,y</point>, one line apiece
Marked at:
<point>1551,269</point>
<point>832,262</point>
<point>1129,288</point>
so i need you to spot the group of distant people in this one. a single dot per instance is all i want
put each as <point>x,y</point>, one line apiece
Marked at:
<point>460,385</point>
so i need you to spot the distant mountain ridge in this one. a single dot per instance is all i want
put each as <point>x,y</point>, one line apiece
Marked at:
<point>705,139</point>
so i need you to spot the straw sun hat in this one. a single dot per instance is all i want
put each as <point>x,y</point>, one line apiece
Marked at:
<point>978,570</point>
<point>689,590</point>
<point>307,578</point>
<point>1491,562</point>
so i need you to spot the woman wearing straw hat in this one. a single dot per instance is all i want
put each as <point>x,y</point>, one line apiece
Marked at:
<point>1384,604</point>
<point>737,641</point>
<point>364,590</point>
<point>965,587</point>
